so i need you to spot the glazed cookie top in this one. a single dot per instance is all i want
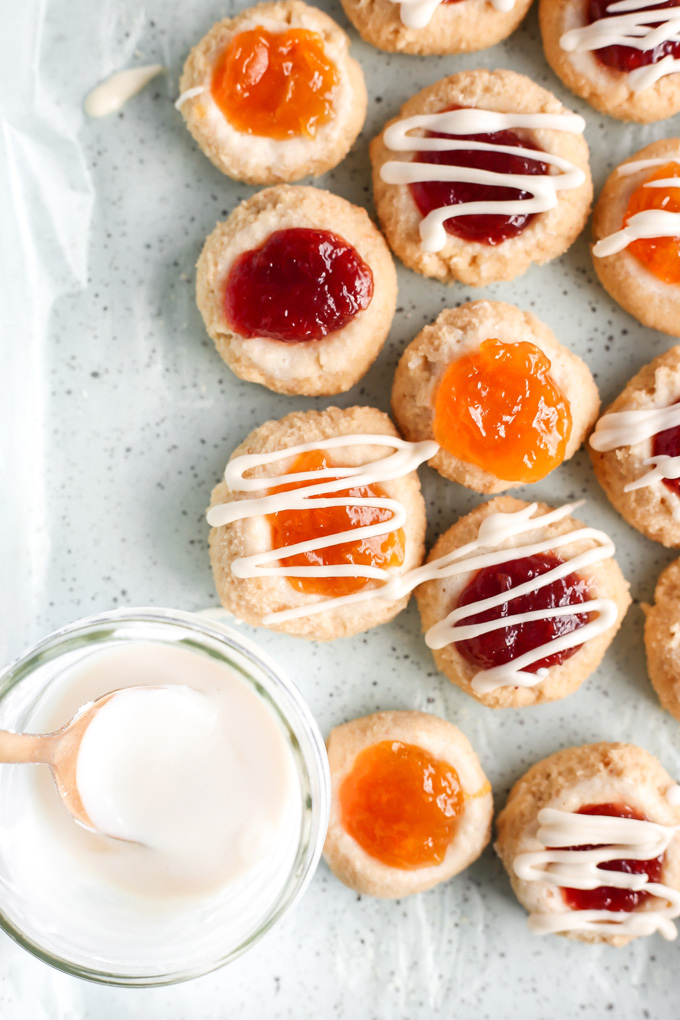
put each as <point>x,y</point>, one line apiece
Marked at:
<point>272,94</point>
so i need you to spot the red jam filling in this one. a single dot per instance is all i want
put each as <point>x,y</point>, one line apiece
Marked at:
<point>300,285</point>
<point>627,58</point>
<point>489,228</point>
<point>606,897</point>
<point>667,443</point>
<point>497,647</point>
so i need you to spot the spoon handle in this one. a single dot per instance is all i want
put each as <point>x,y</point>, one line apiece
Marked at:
<point>25,747</point>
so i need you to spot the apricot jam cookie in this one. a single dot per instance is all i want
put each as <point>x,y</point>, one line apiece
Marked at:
<point>589,838</point>
<point>505,401</point>
<point>438,173</point>
<point>273,95</point>
<point>662,639</point>
<point>609,53</point>
<point>519,602</point>
<point>298,290</point>
<point>636,235</point>
<point>435,26</point>
<point>319,516</point>
<point>635,450</point>
<point>410,804</point>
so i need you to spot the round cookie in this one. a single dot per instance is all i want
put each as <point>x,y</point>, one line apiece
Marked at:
<point>254,598</point>
<point>336,361</point>
<point>461,27</point>
<point>544,236</point>
<point>662,638</point>
<point>457,333</point>
<point>348,859</point>
<point>652,509</point>
<point>594,775</point>
<point>651,300</point>
<point>485,531</point>
<point>259,158</point>
<point>608,89</point>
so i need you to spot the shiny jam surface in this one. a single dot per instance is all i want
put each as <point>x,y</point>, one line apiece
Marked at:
<point>497,647</point>
<point>489,228</point>
<point>627,58</point>
<point>300,285</point>
<point>606,897</point>
<point>498,408</point>
<point>401,804</point>
<point>667,443</point>
<point>275,84</point>
<point>292,526</point>
<point>660,255</point>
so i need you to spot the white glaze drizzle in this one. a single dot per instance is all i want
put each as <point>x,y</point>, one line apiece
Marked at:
<point>639,25</point>
<point>628,428</point>
<point>542,187</point>
<point>649,222</point>
<point>495,530</point>
<point>614,839</point>
<point>419,13</point>
<point>197,90</point>
<point>111,95</point>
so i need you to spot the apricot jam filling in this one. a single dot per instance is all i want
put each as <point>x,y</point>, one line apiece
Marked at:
<point>499,409</point>
<point>402,805</point>
<point>627,58</point>
<point>289,527</point>
<point>497,647</point>
<point>301,284</point>
<point>660,255</point>
<point>667,443</point>
<point>488,228</point>
<point>275,84</point>
<point>607,897</point>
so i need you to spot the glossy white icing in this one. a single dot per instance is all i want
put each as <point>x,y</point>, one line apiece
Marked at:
<point>197,90</point>
<point>418,13</point>
<point>111,95</point>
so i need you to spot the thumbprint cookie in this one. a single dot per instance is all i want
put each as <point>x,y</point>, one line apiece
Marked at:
<point>410,804</point>
<point>621,56</point>
<point>480,175</point>
<point>636,235</point>
<point>590,840</point>
<point>318,523</point>
<point>272,94</point>
<point>493,387</point>
<point>662,628</point>
<point>635,450</point>
<point>519,602</point>
<point>298,290</point>
<point>435,26</point>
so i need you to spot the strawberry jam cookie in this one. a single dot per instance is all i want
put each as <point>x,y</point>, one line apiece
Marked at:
<point>318,521</point>
<point>439,169</point>
<point>635,450</point>
<point>519,602</point>
<point>298,290</point>
<point>505,401</point>
<point>435,26</point>
<point>662,627</point>
<point>410,807</point>
<point>621,56</point>
<point>272,95</point>
<point>636,234</point>
<point>590,840</point>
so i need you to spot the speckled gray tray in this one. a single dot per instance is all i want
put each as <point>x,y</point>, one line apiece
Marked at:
<point>117,419</point>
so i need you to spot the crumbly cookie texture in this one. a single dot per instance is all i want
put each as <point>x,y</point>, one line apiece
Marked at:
<point>662,639</point>
<point>310,367</point>
<point>459,331</point>
<point>548,235</point>
<point>579,776</point>
<point>348,860</point>
<point>651,301</point>
<point>260,160</point>
<point>453,28</point>
<point>437,598</point>
<point>251,599</point>
<point>605,88</point>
